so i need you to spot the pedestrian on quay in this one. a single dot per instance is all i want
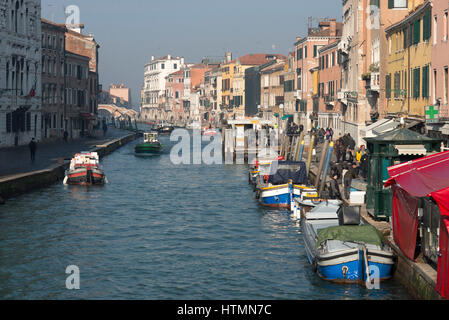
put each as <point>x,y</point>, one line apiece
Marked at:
<point>66,135</point>
<point>105,128</point>
<point>334,190</point>
<point>364,166</point>
<point>331,132</point>
<point>338,150</point>
<point>32,146</point>
<point>347,181</point>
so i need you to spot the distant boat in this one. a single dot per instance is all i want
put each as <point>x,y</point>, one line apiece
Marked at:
<point>85,170</point>
<point>342,250</point>
<point>150,145</point>
<point>195,125</point>
<point>164,128</point>
<point>209,132</point>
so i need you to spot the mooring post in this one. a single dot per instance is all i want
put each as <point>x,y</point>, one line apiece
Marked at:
<point>326,167</point>
<point>323,158</point>
<point>309,156</point>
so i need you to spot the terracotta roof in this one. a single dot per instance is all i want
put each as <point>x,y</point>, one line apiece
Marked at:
<point>59,25</point>
<point>326,32</point>
<point>257,58</point>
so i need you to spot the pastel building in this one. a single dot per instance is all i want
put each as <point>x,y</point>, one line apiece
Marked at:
<point>307,59</point>
<point>408,72</point>
<point>156,72</point>
<point>438,124</point>
<point>329,84</point>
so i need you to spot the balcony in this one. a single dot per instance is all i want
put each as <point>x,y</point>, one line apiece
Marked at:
<point>329,99</point>
<point>375,81</point>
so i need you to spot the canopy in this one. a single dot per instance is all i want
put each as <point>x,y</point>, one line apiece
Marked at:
<point>288,170</point>
<point>425,177</point>
<point>363,234</point>
<point>405,149</point>
<point>287,116</point>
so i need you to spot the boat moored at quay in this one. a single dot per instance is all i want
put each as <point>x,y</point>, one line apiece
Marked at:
<point>341,249</point>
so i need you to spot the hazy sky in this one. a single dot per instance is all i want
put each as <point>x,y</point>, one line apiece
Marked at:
<point>131,31</point>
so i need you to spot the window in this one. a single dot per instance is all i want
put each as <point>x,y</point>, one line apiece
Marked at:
<point>315,51</point>
<point>416,82</point>
<point>397,84</point>
<point>446,82</point>
<point>435,29</point>
<point>8,122</point>
<point>394,4</point>
<point>175,66</point>
<point>445,27</point>
<point>299,83</point>
<point>305,52</point>
<point>425,82</point>
<point>427,26</point>
<point>162,66</point>
<point>388,86</point>
<point>417,31</point>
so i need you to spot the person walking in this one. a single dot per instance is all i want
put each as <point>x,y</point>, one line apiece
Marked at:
<point>105,128</point>
<point>32,146</point>
<point>66,135</point>
<point>331,132</point>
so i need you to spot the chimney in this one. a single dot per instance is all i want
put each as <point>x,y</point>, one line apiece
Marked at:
<point>228,57</point>
<point>182,62</point>
<point>333,28</point>
<point>298,39</point>
<point>152,58</point>
<point>168,57</point>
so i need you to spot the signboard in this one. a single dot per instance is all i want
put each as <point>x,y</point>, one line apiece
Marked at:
<point>432,114</point>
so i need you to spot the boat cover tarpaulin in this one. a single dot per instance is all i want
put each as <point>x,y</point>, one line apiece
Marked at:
<point>425,177</point>
<point>282,176</point>
<point>361,234</point>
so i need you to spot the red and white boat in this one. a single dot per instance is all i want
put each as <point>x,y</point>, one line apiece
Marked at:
<point>209,132</point>
<point>85,170</point>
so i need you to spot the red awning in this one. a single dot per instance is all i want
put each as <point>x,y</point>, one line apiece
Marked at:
<point>423,176</point>
<point>428,176</point>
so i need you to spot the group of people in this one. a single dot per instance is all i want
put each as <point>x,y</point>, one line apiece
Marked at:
<point>322,134</point>
<point>351,163</point>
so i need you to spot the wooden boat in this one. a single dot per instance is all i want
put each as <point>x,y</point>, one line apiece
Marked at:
<point>164,128</point>
<point>342,250</point>
<point>85,170</point>
<point>278,187</point>
<point>150,145</point>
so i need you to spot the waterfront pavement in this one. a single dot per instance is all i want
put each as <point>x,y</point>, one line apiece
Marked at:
<point>17,160</point>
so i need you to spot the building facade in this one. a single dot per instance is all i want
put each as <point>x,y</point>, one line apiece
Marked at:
<point>329,84</point>
<point>53,80</point>
<point>77,115</point>
<point>20,72</point>
<point>408,72</point>
<point>438,123</point>
<point>306,56</point>
<point>156,72</point>
<point>272,90</point>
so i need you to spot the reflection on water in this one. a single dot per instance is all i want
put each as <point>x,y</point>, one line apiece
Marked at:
<point>159,231</point>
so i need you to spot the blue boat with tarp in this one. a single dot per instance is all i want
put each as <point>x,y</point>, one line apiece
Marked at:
<point>282,183</point>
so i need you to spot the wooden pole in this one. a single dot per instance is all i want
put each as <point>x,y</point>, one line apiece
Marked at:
<point>309,156</point>
<point>326,167</point>
<point>299,147</point>
<point>323,158</point>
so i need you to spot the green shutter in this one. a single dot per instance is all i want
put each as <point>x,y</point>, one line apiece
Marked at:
<point>390,4</point>
<point>416,82</point>
<point>427,25</point>
<point>425,82</point>
<point>417,31</point>
<point>388,86</point>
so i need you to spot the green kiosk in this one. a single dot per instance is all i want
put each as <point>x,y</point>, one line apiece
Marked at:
<point>391,148</point>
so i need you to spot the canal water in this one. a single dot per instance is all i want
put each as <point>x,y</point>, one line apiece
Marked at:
<point>160,231</point>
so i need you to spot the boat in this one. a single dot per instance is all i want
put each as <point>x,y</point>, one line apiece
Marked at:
<point>285,181</point>
<point>150,145</point>
<point>85,170</point>
<point>164,128</point>
<point>341,249</point>
<point>209,132</point>
<point>194,125</point>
